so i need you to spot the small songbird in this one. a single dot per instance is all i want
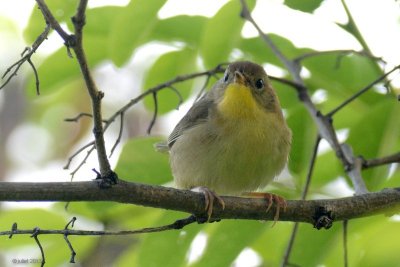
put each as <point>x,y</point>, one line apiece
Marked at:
<point>233,140</point>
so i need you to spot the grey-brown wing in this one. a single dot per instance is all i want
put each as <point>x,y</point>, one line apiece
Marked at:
<point>197,114</point>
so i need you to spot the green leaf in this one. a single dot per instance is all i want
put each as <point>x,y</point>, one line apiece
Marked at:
<point>99,21</point>
<point>167,67</point>
<point>58,70</point>
<point>62,10</point>
<point>132,28</point>
<point>140,162</point>
<point>255,49</point>
<point>180,28</point>
<point>167,248</point>
<point>327,168</point>
<point>27,219</point>
<point>222,33</point>
<point>342,76</point>
<point>375,135</point>
<point>303,140</point>
<point>272,242</point>
<point>227,239</point>
<point>304,5</point>
<point>363,235</point>
<point>55,72</point>
<point>313,253</point>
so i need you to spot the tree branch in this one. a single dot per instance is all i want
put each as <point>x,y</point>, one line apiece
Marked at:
<point>368,163</point>
<point>51,20</point>
<point>76,43</point>
<point>310,211</point>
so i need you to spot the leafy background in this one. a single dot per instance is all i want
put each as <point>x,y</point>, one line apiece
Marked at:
<point>117,36</point>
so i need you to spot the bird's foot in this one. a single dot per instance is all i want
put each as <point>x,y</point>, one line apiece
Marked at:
<point>279,201</point>
<point>209,197</point>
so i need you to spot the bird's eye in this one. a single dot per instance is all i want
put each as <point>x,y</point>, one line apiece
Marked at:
<point>226,77</point>
<point>260,84</point>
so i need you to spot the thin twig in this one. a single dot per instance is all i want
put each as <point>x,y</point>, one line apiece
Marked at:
<point>340,52</point>
<point>178,224</point>
<point>35,232</point>
<point>82,162</point>
<point>180,98</point>
<point>91,144</point>
<point>36,75</point>
<point>153,120</point>
<point>73,253</point>
<point>118,140</point>
<point>26,57</point>
<point>50,20</point>
<point>14,228</point>
<point>78,117</point>
<point>285,261</point>
<point>71,222</point>
<point>362,91</point>
<point>395,158</point>
<point>299,87</point>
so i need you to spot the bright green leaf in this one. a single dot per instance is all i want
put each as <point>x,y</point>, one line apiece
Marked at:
<point>305,5</point>
<point>140,162</point>
<point>312,253</point>
<point>227,239</point>
<point>303,140</point>
<point>272,242</point>
<point>342,76</point>
<point>167,67</point>
<point>326,169</point>
<point>62,10</point>
<point>170,246</point>
<point>132,27</point>
<point>222,33</point>
<point>376,135</point>
<point>27,219</point>
<point>180,28</point>
<point>255,49</point>
<point>54,73</point>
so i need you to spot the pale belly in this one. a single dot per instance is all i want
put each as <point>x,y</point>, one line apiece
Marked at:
<point>233,164</point>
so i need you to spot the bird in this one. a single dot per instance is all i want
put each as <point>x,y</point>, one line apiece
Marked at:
<point>234,140</point>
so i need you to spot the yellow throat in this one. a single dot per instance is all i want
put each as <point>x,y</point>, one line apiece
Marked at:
<point>239,103</point>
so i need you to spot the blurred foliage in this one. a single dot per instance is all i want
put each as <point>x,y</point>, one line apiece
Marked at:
<point>113,34</point>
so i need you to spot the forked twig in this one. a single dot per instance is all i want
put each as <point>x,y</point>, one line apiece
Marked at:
<point>26,57</point>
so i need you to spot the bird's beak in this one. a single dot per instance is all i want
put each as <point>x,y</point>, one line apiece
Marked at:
<point>239,78</point>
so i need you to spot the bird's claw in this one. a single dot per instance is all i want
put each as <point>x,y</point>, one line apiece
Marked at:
<point>209,197</point>
<point>279,201</point>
